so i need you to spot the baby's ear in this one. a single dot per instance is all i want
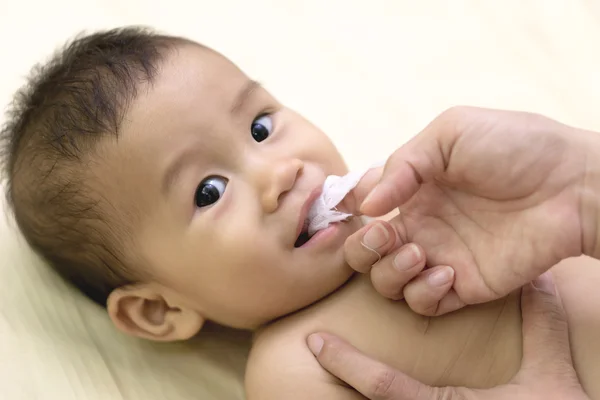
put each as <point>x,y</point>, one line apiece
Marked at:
<point>142,310</point>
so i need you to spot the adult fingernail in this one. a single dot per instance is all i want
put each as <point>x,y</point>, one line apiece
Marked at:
<point>376,237</point>
<point>407,258</point>
<point>315,343</point>
<point>440,277</point>
<point>545,283</point>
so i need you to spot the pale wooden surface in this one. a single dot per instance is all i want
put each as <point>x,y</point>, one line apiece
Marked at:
<point>371,74</point>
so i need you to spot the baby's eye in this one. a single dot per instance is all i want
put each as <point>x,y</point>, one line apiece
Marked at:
<point>210,191</point>
<point>261,128</point>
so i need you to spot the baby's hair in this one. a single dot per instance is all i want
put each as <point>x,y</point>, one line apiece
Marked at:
<point>50,139</point>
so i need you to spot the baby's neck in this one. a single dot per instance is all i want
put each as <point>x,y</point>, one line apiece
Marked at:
<point>345,285</point>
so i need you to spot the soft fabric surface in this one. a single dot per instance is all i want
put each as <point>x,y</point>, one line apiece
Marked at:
<point>371,74</point>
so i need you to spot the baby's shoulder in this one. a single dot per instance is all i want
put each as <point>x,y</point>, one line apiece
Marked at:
<point>281,366</point>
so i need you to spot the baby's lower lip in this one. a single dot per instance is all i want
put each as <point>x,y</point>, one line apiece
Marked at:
<point>322,236</point>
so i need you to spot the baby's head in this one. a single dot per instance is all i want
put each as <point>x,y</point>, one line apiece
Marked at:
<point>160,180</point>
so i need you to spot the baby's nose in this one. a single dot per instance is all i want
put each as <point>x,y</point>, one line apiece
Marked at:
<point>279,178</point>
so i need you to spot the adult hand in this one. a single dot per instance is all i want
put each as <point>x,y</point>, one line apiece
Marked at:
<point>546,370</point>
<point>488,200</point>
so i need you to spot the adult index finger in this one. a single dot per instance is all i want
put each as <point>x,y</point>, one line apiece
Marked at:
<point>420,160</point>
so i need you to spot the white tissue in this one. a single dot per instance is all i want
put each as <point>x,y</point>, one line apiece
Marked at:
<point>323,212</point>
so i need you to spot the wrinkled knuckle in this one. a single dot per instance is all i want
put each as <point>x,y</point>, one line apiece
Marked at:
<point>490,289</point>
<point>422,303</point>
<point>388,288</point>
<point>557,317</point>
<point>427,309</point>
<point>470,295</point>
<point>547,323</point>
<point>565,374</point>
<point>549,309</point>
<point>430,311</point>
<point>382,384</point>
<point>392,293</point>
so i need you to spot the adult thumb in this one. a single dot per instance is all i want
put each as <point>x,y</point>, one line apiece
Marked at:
<point>546,349</point>
<point>373,379</point>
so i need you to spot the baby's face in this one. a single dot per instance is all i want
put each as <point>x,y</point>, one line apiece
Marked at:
<point>221,176</point>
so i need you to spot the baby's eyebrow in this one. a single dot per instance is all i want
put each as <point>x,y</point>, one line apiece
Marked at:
<point>244,95</point>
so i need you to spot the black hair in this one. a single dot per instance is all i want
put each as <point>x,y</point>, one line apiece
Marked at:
<point>50,139</point>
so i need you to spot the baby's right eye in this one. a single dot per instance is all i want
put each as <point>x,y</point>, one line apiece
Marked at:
<point>210,191</point>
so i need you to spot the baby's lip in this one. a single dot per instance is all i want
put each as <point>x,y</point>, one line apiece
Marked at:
<point>313,195</point>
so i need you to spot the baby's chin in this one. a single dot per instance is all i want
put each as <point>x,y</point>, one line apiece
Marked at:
<point>338,272</point>
<point>322,278</point>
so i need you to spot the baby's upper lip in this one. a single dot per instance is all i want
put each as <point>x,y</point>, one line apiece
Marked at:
<point>313,195</point>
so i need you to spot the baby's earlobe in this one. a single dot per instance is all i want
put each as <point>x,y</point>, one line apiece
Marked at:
<point>143,312</point>
<point>186,323</point>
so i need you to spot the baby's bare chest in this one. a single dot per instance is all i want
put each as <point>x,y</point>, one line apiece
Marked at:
<point>478,346</point>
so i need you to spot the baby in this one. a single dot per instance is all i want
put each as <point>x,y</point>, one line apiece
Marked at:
<point>166,185</point>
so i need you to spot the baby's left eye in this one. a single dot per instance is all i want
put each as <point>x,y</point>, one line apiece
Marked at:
<point>261,128</point>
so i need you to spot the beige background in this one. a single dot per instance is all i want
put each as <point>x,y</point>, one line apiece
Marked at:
<point>370,73</point>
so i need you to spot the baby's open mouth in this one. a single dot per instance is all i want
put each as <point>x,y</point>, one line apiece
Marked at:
<point>304,236</point>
